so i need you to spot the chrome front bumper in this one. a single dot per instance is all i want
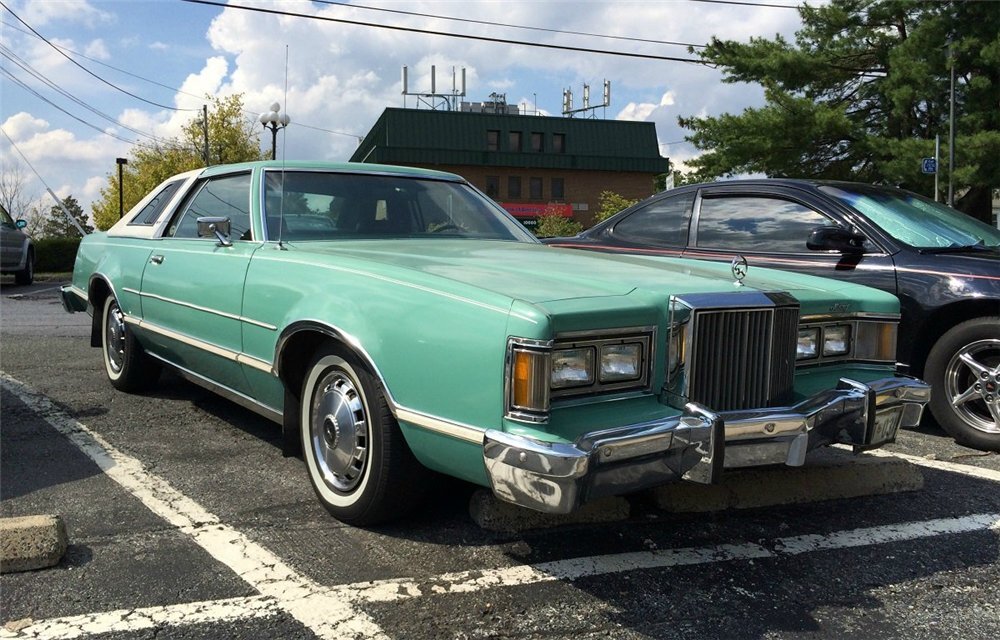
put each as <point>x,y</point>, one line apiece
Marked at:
<point>695,446</point>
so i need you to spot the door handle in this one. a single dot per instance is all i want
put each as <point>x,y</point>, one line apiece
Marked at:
<point>156,259</point>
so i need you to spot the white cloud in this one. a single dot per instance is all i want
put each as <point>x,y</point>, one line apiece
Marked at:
<point>43,12</point>
<point>97,49</point>
<point>159,46</point>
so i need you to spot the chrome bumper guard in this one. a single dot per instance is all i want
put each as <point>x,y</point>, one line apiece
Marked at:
<point>70,301</point>
<point>695,446</point>
<point>557,477</point>
<point>864,415</point>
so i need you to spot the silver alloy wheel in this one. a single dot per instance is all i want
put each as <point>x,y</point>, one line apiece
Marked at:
<point>972,384</point>
<point>338,432</point>
<point>114,344</point>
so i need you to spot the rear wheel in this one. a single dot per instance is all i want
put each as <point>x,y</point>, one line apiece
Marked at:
<point>964,370</point>
<point>127,365</point>
<point>358,462</point>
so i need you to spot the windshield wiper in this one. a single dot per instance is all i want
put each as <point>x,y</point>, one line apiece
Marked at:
<point>979,246</point>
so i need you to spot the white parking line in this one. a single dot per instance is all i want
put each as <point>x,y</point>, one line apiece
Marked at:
<point>941,465</point>
<point>333,612</point>
<point>319,609</point>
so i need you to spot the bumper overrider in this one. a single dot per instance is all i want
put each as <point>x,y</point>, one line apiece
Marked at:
<point>697,445</point>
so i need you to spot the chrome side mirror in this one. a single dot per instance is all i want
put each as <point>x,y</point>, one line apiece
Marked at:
<point>217,226</point>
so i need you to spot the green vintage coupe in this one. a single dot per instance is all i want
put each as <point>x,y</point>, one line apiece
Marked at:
<point>395,320</point>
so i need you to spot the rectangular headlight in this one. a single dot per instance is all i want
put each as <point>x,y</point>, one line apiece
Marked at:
<point>808,344</point>
<point>573,367</point>
<point>621,362</point>
<point>876,341</point>
<point>836,340</point>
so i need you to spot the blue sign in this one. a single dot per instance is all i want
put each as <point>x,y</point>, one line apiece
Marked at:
<point>928,165</point>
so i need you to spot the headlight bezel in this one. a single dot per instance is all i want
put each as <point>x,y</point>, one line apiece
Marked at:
<point>871,338</point>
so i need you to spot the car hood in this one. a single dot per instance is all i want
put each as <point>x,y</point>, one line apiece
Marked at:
<point>539,274</point>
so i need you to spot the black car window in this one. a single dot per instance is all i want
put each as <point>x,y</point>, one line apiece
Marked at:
<point>664,221</point>
<point>154,208</point>
<point>756,223</point>
<point>228,196</point>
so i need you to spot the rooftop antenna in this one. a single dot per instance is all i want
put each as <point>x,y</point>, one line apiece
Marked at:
<point>434,100</point>
<point>568,109</point>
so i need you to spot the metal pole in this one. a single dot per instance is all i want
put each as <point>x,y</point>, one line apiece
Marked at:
<point>951,132</point>
<point>274,141</point>
<point>204,120</point>
<point>121,191</point>
<point>937,167</point>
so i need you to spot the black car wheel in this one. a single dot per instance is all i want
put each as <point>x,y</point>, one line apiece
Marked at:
<point>359,464</point>
<point>26,275</point>
<point>127,365</point>
<point>964,370</point>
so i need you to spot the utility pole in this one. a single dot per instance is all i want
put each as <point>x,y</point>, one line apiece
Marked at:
<point>121,189</point>
<point>951,128</point>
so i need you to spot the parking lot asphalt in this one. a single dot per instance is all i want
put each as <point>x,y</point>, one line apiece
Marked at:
<point>184,521</point>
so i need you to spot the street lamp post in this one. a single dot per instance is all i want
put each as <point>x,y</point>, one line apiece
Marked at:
<point>274,120</point>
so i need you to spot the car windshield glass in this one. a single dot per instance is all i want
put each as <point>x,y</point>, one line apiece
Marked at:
<point>324,205</point>
<point>917,221</point>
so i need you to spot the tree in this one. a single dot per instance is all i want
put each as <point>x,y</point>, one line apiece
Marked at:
<point>232,138</point>
<point>861,95</point>
<point>16,199</point>
<point>609,203</point>
<point>58,226</point>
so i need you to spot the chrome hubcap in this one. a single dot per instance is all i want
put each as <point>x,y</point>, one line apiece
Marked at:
<point>115,332</point>
<point>972,382</point>
<point>338,431</point>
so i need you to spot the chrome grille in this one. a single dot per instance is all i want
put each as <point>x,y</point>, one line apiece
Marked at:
<point>742,358</point>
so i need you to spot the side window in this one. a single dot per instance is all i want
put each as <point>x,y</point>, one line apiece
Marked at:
<point>756,223</point>
<point>662,222</point>
<point>152,211</point>
<point>227,196</point>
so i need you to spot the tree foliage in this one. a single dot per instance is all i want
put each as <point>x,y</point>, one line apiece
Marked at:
<point>557,226</point>
<point>861,94</point>
<point>232,137</point>
<point>58,226</point>
<point>609,203</point>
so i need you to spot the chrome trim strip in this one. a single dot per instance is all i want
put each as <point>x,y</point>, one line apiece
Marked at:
<point>224,314</point>
<point>79,293</point>
<point>230,394</point>
<point>845,317</point>
<point>222,352</point>
<point>449,428</point>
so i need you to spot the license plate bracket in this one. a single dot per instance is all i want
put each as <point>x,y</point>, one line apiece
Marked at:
<point>885,426</point>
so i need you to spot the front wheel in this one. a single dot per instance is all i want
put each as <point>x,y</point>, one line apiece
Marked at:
<point>963,369</point>
<point>26,275</point>
<point>358,462</point>
<point>127,365</point>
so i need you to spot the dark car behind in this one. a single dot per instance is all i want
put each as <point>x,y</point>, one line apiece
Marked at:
<point>943,265</point>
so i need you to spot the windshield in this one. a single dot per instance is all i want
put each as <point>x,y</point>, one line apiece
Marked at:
<point>323,205</point>
<point>917,221</point>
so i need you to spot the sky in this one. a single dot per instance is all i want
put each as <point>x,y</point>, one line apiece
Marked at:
<point>128,71</point>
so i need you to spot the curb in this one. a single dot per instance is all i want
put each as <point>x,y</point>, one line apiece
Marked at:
<point>31,542</point>
<point>829,474</point>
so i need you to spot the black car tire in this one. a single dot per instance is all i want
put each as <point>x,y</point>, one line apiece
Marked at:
<point>26,275</point>
<point>127,365</point>
<point>358,462</point>
<point>965,363</point>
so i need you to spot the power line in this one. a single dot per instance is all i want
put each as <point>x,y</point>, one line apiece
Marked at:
<point>88,71</point>
<point>512,26</point>
<point>462,36</point>
<point>751,4</point>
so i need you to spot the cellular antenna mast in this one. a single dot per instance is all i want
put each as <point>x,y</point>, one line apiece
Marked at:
<point>568,109</point>
<point>434,100</point>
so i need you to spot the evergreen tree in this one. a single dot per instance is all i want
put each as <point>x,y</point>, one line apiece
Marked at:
<point>56,224</point>
<point>860,96</point>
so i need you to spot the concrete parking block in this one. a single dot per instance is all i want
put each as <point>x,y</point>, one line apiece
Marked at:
<point>828,474</point>
<point>31,542</point>
<point>496,515</point>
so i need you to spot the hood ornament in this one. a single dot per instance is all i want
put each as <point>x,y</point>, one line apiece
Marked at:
<point>740,268</point>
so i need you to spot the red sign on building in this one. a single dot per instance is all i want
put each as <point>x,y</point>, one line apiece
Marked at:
<point>529,210</point>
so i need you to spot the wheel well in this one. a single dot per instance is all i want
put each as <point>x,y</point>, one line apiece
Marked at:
<point>941,321</point>
<point>98,293</point>
<point>296,354</point>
